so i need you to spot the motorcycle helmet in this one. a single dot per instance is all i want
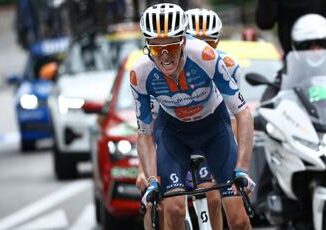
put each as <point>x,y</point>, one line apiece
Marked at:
<point>163,20</point>
<point>309,29</point>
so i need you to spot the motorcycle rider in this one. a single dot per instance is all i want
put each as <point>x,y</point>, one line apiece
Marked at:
<point>308,33</point>
<point>187,77</point>
<point>211,35</point>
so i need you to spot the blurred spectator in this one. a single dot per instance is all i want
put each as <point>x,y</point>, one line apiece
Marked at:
<point>37,20</point>
<point>284,13</point>
<point>50,13</point>
<point>116,10</point>
<point>82,15</point>
<point>249,34</point>
<point>27,23</point>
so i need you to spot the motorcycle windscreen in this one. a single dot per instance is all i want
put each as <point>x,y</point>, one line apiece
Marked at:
<point>302,65</point>
<point>307,70</point>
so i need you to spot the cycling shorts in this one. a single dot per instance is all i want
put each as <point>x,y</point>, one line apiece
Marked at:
<point>176,140</point>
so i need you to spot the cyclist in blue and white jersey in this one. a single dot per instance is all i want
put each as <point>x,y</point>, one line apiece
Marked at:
<point>192,85</point>
<point>206,25</point>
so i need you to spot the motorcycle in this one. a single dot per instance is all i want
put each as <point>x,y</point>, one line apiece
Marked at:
<point>292,128</point>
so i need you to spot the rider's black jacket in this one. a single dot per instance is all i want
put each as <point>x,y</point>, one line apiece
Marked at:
<point>285,13</point>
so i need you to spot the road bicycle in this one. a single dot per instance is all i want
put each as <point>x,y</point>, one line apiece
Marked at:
<point>199,199</point>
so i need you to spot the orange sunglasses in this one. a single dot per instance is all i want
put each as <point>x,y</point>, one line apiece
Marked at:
<point>156,50</point>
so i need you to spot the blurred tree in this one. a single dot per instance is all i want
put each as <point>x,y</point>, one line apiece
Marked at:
<point>7,2</point>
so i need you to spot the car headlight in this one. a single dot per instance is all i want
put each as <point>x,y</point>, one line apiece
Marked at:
<point>67,103</point>
<point>28,101</point>
<point>121,149</point>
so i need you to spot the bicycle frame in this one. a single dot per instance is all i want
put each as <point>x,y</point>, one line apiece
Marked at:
<point>201,208</point>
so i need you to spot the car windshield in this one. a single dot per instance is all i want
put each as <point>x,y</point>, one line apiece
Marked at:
<point>99,53</point>
<point>267,68</point>
<point>307,70</point>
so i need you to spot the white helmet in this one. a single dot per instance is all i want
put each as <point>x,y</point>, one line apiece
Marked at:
<point>309,27</point>
<point>163,20</point>
<point>204,23</point>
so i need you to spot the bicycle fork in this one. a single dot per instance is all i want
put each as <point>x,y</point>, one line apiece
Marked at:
<point>199,201</point>
<point>188,223</point>
<point>201,209</point>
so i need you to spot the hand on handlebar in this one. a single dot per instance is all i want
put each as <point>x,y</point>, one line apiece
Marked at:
<point>242,179</point>
<point>152,192</point>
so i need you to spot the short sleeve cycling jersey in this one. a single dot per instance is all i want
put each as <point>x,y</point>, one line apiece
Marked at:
<point>230,62</point>
<point>232,65</point>
<point>202,85</point>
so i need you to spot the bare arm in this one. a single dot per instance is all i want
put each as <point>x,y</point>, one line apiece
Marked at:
<point>245,138</point>
<point>147,154</point>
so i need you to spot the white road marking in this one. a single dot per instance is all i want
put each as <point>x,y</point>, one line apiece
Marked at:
<point>55,220</point>
<point>10,137</point>
<point>9,142</point>
<point>86,219</point>
<point>44,204</point>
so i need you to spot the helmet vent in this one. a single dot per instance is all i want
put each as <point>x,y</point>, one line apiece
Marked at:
<point>201,20</point>
<point>214,34</point>
<point>170,21</point>
<point>154,22</point>
<point>179,33</point>
<point>177,20</point>
<point>208,22</point>
<point>214,22</point>
<point>193,19</point>
<point>147,23</point>
<point>161,22</point>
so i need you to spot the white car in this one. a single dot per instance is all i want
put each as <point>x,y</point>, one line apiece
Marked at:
<point>87,74</point>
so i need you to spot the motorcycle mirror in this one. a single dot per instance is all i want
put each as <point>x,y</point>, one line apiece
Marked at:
<point>255,79</point>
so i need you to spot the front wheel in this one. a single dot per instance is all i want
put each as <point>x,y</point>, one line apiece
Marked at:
<point>27,146</point>
<point>97,203</point>
<point>64,167</point>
